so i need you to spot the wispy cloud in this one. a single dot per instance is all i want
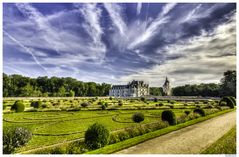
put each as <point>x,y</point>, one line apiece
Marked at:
<point>153,27</point>
<point>203,58</point>
<point>114,42</point>
<point>92,16</point>
<point>139,6</point>
<point>26,49</point>
<point>115,12</point>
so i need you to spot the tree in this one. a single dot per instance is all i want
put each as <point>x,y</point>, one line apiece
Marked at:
<point>228,84</point>
<point>71,93</point>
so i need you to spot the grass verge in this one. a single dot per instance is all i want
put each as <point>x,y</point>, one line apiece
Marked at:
<point>225,145</point>
<point>139,139</point>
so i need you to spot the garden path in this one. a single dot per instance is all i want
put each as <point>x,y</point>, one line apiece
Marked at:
<point>190,140</point>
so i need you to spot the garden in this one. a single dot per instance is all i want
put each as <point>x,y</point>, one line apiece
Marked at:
<point>67,125</point>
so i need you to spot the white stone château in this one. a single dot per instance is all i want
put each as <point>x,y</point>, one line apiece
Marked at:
<point>167,87</point>
<point>132,89</point>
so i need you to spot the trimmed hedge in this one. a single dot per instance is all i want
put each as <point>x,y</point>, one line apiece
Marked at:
<point>18,106</point>
<point>96,136</point>
<point>229,101</point>
<point>138,117</point>
<point>199,111</point>
<point>169,116</point>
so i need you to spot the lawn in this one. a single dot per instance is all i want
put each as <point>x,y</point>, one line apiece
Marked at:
<point>225,145</point>
<point>56,124</point>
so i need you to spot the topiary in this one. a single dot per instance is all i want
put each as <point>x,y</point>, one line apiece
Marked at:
<point>96,136</point>
<point>187,112</point>
<point>103,107</point>
<point>142,99</point>
<point>138,117</point>
<point>85,104</point>
<point>233,99</point>
<point>100,103</point>
<point>169,116</point>
<point>155,100</point>
<point>228,100</point>
<point>106,104</point>
<point>14,138</point>
<point>199,111</point>
<point>36,104</point>
<point>18,106</point>
<point>120,103</point>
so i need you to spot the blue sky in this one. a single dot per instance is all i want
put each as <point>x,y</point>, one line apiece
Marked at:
<point>116,43</point>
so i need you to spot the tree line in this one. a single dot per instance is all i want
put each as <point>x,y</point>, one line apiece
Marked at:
<point>20,86</point>
<point>227,87</point>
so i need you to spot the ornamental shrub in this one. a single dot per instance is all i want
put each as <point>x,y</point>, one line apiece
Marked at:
<point>100,103</point>
<point>142,99</point>
<point>18,106</point>
<point>138,117</point>
<point>103,107</point>
<point>155,100</point>
<point>187,112</point>
<point>229,102</point>
<point>120,103</point>
<point>85,104</point>
<point>36,104</point>
<point>106,104</point>
<point>233,99</point>
<point>96,136</point>
<point>199,111</point>
<point>169,116</point>
<point>14,138</point>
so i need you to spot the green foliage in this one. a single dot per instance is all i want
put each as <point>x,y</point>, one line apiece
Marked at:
<point>229,102</point>
<point>169,116</point>
<point>199,111</point>
<point>110,98</point>
<point>228,84</point>
<point>71,93</point>
<point>36,104</point>
<point>155,100</point>
<point>14,138</point>
<point>138,117</point>
<point>120,103</point>
<point>100,103</point>
<point>17,85</point>
<point>187,112</point>
<point>103,107</point>
<point>202,89</point>
<point>143,99</point>
<point>85,104</point>
<point>18,106</point>
<point>156,91</point>
<point>96,136</point>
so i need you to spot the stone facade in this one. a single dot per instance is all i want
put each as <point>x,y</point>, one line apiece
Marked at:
<point>167,87</point>
<point>132,89</point>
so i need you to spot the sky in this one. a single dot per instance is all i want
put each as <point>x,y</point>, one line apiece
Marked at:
<point>117,42</point>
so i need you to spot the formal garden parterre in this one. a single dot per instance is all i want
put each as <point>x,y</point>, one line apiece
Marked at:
<point>62,120</point>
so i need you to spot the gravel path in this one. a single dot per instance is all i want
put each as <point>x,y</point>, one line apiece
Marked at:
<point>190,140</point>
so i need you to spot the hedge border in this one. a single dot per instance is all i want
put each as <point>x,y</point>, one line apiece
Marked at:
<point>139,139</point>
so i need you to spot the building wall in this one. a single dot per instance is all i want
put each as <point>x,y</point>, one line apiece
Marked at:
<point>129,92</point>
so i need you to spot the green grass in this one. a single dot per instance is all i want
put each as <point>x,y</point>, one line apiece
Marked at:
<point>48,127</point>
<point>225,145</point>
<point>139,139</point>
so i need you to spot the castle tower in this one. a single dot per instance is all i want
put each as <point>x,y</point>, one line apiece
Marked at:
<point>166,87</point>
